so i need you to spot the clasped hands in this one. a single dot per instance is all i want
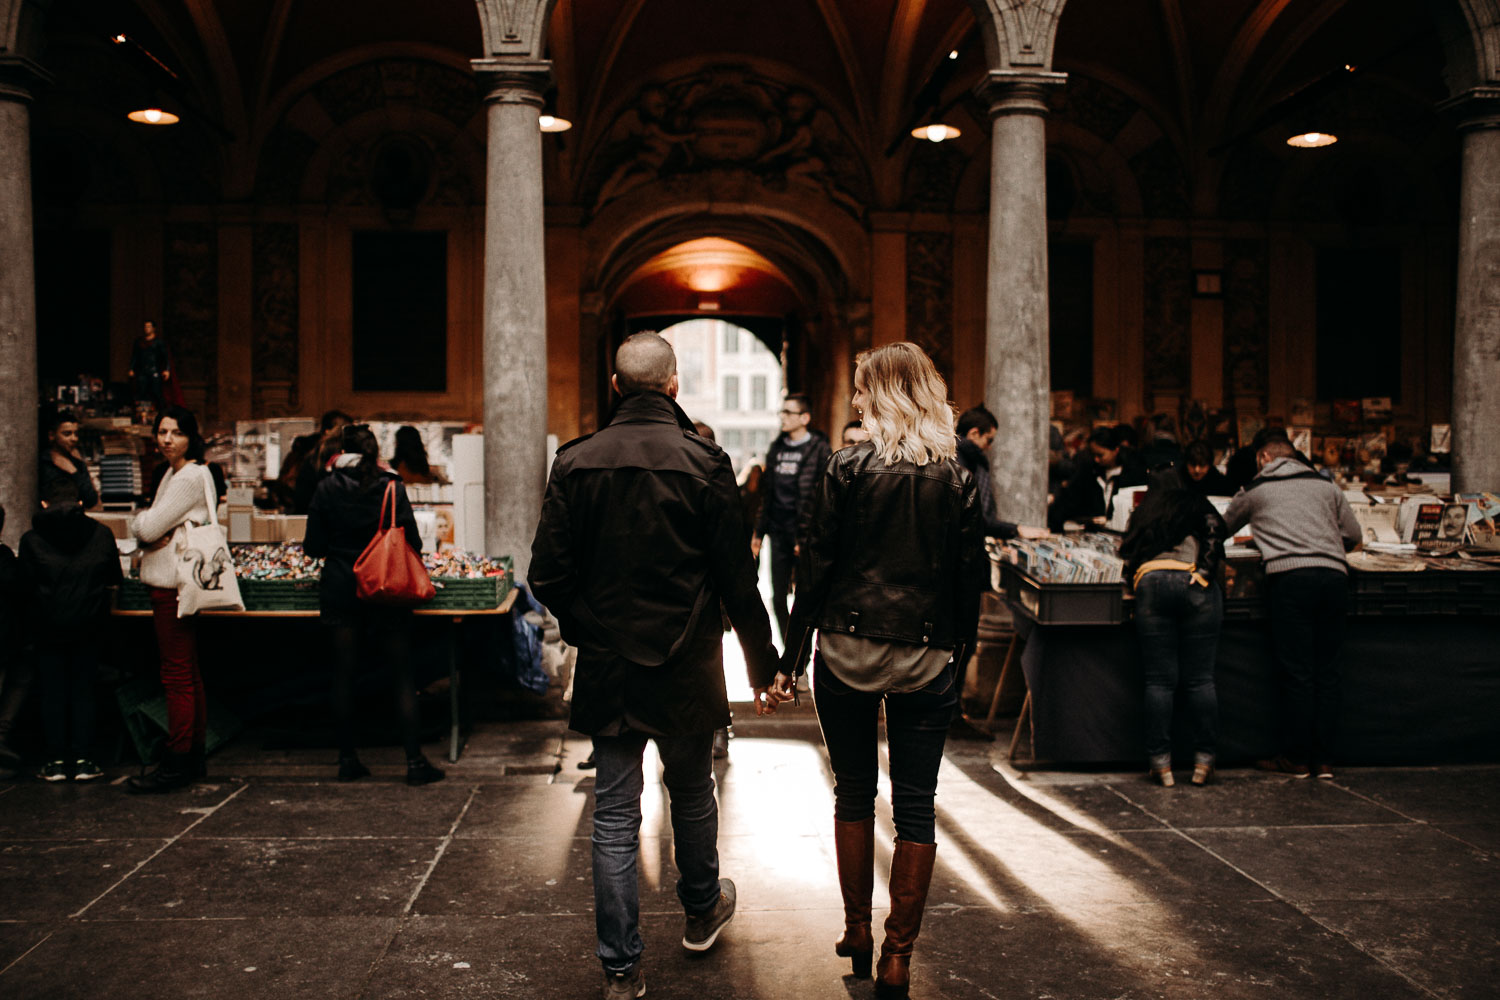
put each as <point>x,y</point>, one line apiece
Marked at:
<point>779,691</point>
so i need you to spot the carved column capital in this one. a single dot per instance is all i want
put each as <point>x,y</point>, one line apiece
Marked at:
<point>508,80</point>
<point>1475,109</point>
<point>20,78</point>
<point>1018,92</point>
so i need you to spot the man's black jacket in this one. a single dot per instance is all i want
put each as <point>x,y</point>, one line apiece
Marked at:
<point>68,563</point>
<point>888,553</point>
<point>341,523</point>
<point>973,458</point>
<point>642,536</point>
<point>792,523</point>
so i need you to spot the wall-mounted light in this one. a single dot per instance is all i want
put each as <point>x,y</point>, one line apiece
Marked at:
<point>935,133</point>
<point>153,116</point>
<point>1312,140</point>
<point>708,305</point>
<point>953,54</point>
<point>551,123</point>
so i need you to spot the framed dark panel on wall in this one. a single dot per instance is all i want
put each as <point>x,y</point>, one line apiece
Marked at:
<point>1070,308</point>
<point>72,303</point>
<point>400,285</point>
<point>1359,322</point>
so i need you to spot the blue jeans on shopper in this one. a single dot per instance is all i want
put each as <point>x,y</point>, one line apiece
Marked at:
<point>687,771</point>
<point>916,726</point>
<point>1177,622</point>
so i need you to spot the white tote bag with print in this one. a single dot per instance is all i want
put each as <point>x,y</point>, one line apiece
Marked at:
<point>205,571</point>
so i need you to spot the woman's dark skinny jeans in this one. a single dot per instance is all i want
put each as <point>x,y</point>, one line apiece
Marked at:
<point>916,725</point>
<point>1177,622</point>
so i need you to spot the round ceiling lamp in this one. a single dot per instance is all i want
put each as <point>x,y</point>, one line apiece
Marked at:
<point>1312,140</point>
<point>935,133</point>
<point>551,123</point>
<point>153,116</point>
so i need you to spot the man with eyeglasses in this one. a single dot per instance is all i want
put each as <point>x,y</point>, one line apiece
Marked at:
<point>793,464</point>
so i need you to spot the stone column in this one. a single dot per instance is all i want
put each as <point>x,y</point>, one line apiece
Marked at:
<point>1476,337</point>
<point>18,376</point>
<point>515,309</point>
<point>1017,372</point>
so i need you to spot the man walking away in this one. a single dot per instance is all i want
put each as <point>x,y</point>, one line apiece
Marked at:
<point>640,541</point>
<point>1303,526</point>
<point>976,430</point>
<point>794,462</point>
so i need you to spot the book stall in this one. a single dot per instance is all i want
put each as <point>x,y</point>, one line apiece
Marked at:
<point>1420,674</point>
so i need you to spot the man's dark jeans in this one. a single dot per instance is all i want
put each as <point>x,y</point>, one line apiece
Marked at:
<point>687,771</point>
<point>1309,609</point>
<point>1177,622</point>
<point>783,562</point>
<point>916,725</point>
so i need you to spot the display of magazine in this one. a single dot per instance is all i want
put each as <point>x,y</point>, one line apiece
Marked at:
<point>1440,528</point>
<point>1377,522</point>
<point>1089,558</point>
<point>1484,519</point>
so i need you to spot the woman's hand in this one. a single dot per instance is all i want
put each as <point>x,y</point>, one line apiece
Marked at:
<point>768,698</point>
<point>1032,532</point>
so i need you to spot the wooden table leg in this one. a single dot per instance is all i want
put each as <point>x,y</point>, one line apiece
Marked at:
<point>1023,719</point>
<point>1010,658</point>
<point>453,691</point>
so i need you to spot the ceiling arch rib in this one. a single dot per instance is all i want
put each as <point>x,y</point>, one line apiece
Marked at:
<point>897,69</point>
<point>1226,84</point>
<point>270,53</point>
<point>614,42</point>
<point>1177,38</point>
<point>853,67</point>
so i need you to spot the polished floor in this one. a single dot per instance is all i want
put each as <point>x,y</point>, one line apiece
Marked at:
<point>271,881</point>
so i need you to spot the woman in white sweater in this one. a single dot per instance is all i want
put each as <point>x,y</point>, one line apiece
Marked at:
<point>184,495</point>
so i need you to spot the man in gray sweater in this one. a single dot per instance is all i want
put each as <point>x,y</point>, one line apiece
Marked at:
<point>1303,526</point>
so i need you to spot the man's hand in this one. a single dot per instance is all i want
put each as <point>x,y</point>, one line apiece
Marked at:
<point>1032,531</point>
<point>768,698</point>
<point>755,546</point>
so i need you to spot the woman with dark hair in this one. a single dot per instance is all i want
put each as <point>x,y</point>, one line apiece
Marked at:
<point>62,463</point>
<point>410,459</point>
<point>1202,478</point>
<point>344,516</point>
<point>1173,549</point>
<point>184,495</point>
<point>894,534</point>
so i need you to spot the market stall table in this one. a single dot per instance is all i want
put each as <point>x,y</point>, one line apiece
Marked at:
<point>456,616</point>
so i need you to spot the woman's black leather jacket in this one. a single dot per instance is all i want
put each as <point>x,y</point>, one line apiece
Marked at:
<point>887,553</point>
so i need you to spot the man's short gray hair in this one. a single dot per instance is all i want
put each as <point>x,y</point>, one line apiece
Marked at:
<point>644,362</point>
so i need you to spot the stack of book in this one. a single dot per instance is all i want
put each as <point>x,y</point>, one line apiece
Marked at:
<point>1088,558</point>
<point>120,478</point>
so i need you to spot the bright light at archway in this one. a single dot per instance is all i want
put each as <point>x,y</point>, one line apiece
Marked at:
<point>153,116</point>
<point>935,133</point>
<point>1312,140</point>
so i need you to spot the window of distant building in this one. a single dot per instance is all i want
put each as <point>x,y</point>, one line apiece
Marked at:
<point>757,392</point>
<point>731,339</point>
<point>731,392</point>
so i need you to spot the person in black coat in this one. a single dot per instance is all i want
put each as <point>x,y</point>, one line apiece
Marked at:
<point>1199,474</point>
<point>63,463</point>
<point>68,563</point>
<point>794,462</point>
<point>642,540</point>
<point>342,520</point>
<point>1089,495</point>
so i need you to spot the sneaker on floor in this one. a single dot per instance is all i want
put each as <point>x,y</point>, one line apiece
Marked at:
<point>624,985</point>
<point>1324,771</point>
<point>1283,765</point>
<point>721,744</point>
<point>703,929</point>
<point>54,770</point>
<point>87,770</point>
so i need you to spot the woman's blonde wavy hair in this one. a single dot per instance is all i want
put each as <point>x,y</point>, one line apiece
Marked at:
<point>906,404</point>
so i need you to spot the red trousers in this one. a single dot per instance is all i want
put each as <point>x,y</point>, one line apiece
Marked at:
<point>177,640</point>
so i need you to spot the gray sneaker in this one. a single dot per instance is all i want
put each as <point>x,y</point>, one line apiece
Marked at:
<point>703,930</point>
<point>623,985</point>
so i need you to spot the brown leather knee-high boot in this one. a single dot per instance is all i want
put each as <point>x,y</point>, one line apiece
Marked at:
<point>911,874</point>
<point>854,843</point>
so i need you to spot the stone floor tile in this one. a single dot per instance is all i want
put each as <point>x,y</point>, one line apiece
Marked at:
<point>47,880</point>
<point>288,958</point>
<point>262,878</point>
<point>1484,836</point>
<point>1379,862</point>
<point>334,809</point>
<point>19,937</point>
<point>97,811</point>
<point>549,811</point>
<point>1252,798</point>
<point>1437,795</point>
<point>1450,946</point>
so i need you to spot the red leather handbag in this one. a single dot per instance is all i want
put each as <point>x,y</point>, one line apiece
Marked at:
<point>388,571</point>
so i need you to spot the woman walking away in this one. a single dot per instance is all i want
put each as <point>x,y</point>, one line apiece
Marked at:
<point>183,496</point>
<point>894,533</point>
<point>1173,549</point>
<point>345,514</point>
